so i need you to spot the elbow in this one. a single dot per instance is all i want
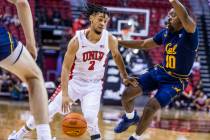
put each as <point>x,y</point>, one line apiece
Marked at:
<point>65,68</point>
<point>190,28</point>
<point>189,25</point>
<point>116,56</point>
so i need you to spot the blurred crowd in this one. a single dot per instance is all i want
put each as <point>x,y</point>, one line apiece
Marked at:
<point>9,18</point>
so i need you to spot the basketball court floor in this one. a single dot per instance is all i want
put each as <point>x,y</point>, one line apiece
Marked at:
<point>168,125</point>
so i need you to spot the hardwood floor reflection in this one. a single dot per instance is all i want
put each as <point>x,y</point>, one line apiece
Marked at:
<point>170,125</point>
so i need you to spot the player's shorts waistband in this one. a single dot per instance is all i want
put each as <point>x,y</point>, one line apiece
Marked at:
<point>87,80</point>
<point>173,74</point>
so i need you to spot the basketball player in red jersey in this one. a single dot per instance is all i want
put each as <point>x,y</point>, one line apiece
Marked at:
<point>86,55</point>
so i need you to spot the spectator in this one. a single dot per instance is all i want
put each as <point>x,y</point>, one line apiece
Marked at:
<point>200,101</point>
<point>17,90</point>
<point>163,21</point>
<point>186,97</point>
<point>208,105</point>
<point>3,78</point>
<point>7,16</point>
<point>6,82</point>
<point>66,20</point>
<point>42,16</point>
<point>15,20</point>
<point>79,23</point>
<point>49,16</point>
<point>56,17</point>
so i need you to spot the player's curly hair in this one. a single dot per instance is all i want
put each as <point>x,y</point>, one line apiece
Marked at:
<point>91,9</point>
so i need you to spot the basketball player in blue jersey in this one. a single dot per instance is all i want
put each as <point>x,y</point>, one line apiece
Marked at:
<point>18,59</point>
<point>180,40</point>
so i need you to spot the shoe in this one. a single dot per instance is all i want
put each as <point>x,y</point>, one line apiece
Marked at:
<point>125,123</point>
<point>54,138</point>
<point>132,138</point>
<point>13,136</point>
<point>95,137</point>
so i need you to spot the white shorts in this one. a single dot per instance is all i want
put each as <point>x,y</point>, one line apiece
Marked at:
<point>89,94</point>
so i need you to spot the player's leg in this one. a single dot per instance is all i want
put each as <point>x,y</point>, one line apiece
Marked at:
<point>22,64</point>
<point>130,117</point>
<point>90,104</point>
<point>128,97</point>
<point>54,107</point>
<point>162,98</point>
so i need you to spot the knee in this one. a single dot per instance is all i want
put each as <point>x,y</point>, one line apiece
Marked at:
<point>125,94</point>
<point>91,120</point>
<point>130,92</point>
<point>36,76</point>
<point>153,105</point>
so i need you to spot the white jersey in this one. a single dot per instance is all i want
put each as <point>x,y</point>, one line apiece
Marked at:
<point>91,57</point>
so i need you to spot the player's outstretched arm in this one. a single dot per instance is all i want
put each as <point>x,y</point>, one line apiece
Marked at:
<point>113,46</point>
<point>26,20</point>
<point>138,44</point>
<point>67,64</point>
<point>187,21</point>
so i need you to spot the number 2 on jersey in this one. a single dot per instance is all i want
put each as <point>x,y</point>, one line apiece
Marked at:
<point>91,67</point>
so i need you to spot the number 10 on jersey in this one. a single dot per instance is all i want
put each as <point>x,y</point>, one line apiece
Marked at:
<point>170,61</point>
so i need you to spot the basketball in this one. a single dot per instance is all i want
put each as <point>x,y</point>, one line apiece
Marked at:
<point>74,125</point>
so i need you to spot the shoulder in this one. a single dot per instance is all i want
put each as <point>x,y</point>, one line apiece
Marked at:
<point>74,43</point>
<point>112,39</point>
<point>162,32</point>
<point>74,40</point>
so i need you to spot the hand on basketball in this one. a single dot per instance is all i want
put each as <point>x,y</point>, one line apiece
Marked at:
<point>130,81</point>
<point>66,104</point>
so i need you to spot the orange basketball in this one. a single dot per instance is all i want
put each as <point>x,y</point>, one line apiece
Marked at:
<point>74,125</point>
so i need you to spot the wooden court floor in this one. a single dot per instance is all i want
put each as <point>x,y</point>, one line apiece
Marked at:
<point>168,125</point>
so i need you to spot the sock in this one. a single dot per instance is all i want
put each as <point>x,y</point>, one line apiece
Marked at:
<point>43,132</point>
<point>22,132</point>
<point>136,136</point>
<point>130,115</point>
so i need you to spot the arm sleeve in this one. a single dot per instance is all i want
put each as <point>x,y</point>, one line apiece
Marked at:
<point>158,38</point>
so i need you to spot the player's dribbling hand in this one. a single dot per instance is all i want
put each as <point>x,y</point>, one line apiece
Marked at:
<point>130,81</point>
<point>66,104</point>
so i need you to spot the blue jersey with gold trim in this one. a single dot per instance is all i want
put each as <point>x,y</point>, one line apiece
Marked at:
<point>7,43</point>
<point>180,50</point>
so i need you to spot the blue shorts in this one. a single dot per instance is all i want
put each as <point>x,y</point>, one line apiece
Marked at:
<point>8,43</point>
<point>168,87</point>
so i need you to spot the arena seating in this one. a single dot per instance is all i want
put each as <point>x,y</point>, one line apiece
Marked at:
<point>15,29</point>
<point>158,10</point>
<point>62,8</point>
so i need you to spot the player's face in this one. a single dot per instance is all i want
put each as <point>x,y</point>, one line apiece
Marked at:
<point>99,22</point>
<point>173,21</point>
